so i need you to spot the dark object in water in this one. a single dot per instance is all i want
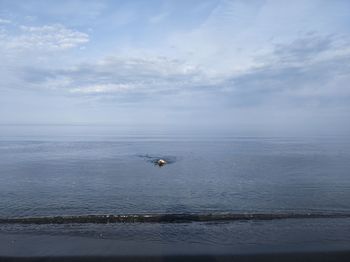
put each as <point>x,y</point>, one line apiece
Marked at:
<point>161,162</point>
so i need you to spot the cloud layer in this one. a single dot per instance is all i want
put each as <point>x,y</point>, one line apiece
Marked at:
<point>227,58</point>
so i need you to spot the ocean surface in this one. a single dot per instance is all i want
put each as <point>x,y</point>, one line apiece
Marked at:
<point>45,174</point>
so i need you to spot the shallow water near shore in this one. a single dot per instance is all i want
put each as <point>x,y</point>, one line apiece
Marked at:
<point>47,174</point>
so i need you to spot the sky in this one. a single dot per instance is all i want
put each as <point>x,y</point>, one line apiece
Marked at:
<point>276,67</point>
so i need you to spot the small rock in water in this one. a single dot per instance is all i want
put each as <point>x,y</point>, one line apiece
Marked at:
<point>161,162</point>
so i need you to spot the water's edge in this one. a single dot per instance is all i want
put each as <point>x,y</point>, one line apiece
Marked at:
<point>166,218</point>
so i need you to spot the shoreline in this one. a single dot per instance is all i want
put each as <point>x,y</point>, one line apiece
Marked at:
<point>167,218</point>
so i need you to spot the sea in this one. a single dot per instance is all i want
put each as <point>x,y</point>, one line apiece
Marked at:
<point>218,193</point>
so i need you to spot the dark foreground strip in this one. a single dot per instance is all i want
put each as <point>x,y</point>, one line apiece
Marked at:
<point>165,218</point>
<point>278,257</point>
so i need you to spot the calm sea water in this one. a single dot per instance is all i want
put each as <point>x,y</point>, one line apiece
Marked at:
<point>51,174</point>
<point>107,174</point>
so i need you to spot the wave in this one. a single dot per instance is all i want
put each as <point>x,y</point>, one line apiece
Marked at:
<point>166,218</point>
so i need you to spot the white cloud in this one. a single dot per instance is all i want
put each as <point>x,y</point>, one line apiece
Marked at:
<point>42,38</point>
<point>4,21</point>
<point>103,88</point>
<point>131,75</point>
<point>290,72</point>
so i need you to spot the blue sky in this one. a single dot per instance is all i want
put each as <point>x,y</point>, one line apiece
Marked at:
<point>269,66</point>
